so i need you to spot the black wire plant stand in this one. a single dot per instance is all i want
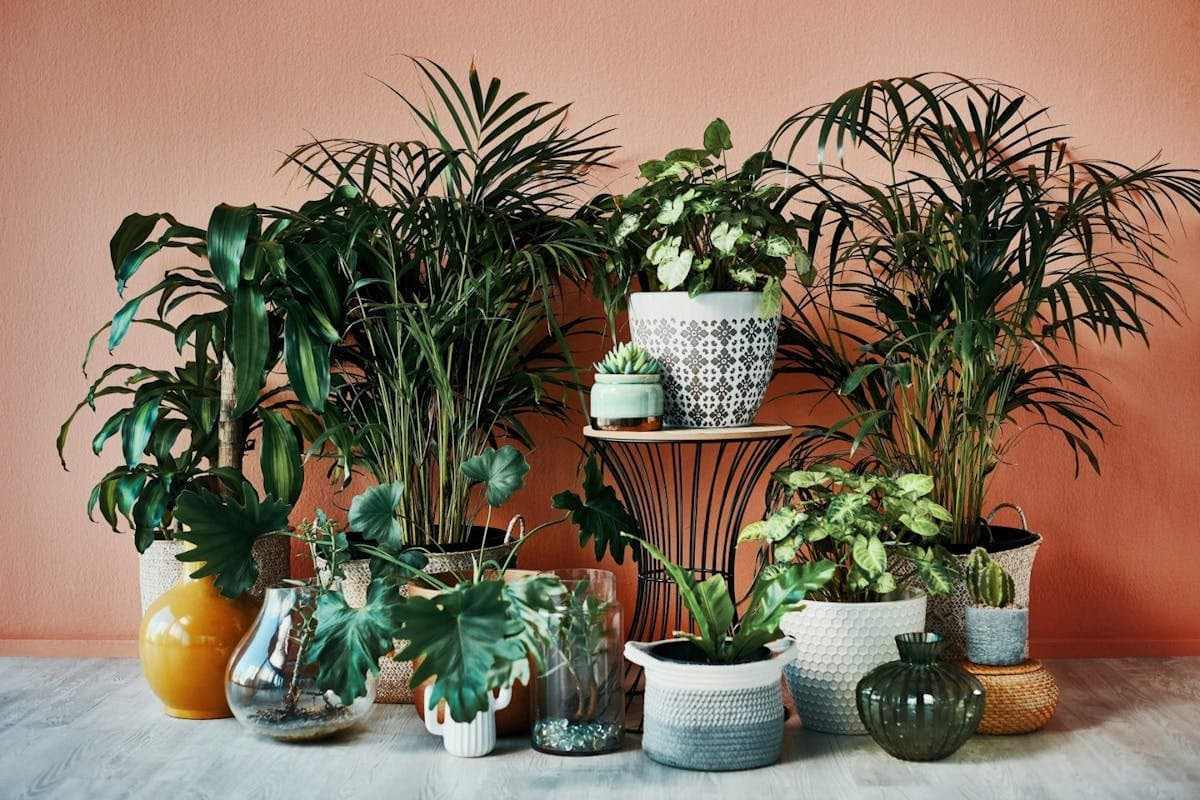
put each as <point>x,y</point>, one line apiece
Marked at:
<point>688,489</point>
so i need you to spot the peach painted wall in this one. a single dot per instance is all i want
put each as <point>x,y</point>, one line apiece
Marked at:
<point>111,107</point>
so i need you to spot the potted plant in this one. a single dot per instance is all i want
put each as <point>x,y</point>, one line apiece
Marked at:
<point>457,243</point>
<point>963,277</point>
<point>709,247</point>
<point>997,628</point>
<point>627,394</point>
<point>866,525</point>
<point>713,698</point>
<point>187,427</point>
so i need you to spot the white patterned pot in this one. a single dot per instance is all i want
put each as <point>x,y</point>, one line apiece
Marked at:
<point>948,613</point>
<point>712,717</point>
<point>467,739</point>
<point>716,350</point>
<point>159,570</point>
<point>837,644</point>
<point>394,676</point>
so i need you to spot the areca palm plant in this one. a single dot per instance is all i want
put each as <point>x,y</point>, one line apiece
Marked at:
<point>971,252</point>
<point>458,242</point>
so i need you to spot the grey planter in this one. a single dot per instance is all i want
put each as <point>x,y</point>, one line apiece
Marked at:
<point>997,636</point>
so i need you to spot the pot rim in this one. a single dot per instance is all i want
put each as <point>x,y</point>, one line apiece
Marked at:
<point>712,677</point>
<point>705,294</point>
<point>620,378</point>
<point>905,594</point>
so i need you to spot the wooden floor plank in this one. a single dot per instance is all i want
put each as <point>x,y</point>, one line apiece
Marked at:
<point>74,728</point>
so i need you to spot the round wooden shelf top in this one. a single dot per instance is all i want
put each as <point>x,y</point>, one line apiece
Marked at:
<point>667,435</point>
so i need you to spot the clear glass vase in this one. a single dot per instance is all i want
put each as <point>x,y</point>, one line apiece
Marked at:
<point>270,687</point>
<point>579,698</point>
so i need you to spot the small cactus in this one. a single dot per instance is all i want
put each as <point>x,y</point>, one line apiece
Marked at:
<point>628,359</point>
<point>987,582</point>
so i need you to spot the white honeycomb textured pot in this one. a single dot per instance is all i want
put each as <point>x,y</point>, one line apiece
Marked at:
<point>837,644</point>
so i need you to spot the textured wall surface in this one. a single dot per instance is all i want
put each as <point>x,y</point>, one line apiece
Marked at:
<point>112,107</point>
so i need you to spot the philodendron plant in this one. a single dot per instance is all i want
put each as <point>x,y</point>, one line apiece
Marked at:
<point>997,628</point>
<point>867,525</point>
<point>696,225</point>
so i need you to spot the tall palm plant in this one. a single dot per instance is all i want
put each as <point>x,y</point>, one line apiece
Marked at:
<point>458,243</point>
<point>969,255</point>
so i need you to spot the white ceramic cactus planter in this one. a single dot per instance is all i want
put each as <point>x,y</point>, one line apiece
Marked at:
<point>467,739</point>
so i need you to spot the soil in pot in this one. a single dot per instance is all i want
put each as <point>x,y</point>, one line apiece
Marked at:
<point>685,652</point>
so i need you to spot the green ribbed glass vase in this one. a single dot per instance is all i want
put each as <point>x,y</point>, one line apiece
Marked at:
<point>920,708</point>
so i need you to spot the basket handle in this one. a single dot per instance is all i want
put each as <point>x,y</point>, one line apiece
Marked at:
<point>638,653</point>
<point>517,522</point>
<point>1014,507</point>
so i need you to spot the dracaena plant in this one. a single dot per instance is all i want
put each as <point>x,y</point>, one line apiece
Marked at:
<point>777,590</point>
<point>260,291</point>
<point>696,225</point>
<point>458,241</point>
<point>968,259</point>
<point>866,526</point>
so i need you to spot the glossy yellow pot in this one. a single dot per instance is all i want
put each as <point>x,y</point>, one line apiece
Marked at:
<point>186,640</point>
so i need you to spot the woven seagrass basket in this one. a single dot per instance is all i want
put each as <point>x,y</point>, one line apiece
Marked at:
<point>1018,699</point>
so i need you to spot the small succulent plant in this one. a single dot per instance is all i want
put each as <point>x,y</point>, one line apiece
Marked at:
<point>987,582</point>
<point>628,359</point>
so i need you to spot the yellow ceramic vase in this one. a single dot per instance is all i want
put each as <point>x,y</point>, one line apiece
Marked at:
<point>185,643</point>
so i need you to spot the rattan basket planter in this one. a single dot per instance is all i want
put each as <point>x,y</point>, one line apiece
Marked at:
<point>712,717</point>
<point>1018,699</point>
<point>159,570</point>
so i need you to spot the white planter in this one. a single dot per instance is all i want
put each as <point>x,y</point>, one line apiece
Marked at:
<point>712,717</point>
<point>467,739</point>
<point>159,570</point>
<point>716,351</point>
<point>837,644</point>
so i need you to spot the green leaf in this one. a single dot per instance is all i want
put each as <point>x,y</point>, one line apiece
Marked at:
<point>224,532</point>
<point>228,228</point>
<point>128,248</point>
<point>724,237</point>
<point>249,345</point>
<point>349,642</point>
<point>502,470</point>
<point>280,459</point>
<point>373,514</point>
<point>708,603</point>
<point>136,428</point>
<point>148,511</point>
<point>922,526</point>
<point>772,299</point>
<point>674,271</point>
<point>716,137</point>
<point>108,430</point>
<point>915,484</point>
<point>800,479</point>
<point>869,555</point>
<point>600,516</point>
<point>772,596</point>
<point>671,211</point>
<point>467,638</point>
<point>306,361</point>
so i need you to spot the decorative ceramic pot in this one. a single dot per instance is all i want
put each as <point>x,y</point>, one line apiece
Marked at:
<point>159,570</point>
<point>579,698</point>
<point>1018,699</point>
<point>997,636</point>
<point>468,739</point>
<point>711,717</point>
<point>838,643</point>
<point>392,685</point>
<point>716,351</point>
<point>272,688</point>
<point>1014,550</point>
<point>626,402</point>
<point>187,637</point>
<point>920,708</point>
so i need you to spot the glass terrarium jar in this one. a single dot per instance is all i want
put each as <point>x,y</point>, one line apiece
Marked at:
<point>579,698</point>
<point>270,687</point>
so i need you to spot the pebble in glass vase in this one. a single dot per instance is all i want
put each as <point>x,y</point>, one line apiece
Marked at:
<point>271,689</point>
<point>920,708</point>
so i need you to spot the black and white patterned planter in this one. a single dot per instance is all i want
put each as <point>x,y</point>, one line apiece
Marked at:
<point>716,351</point>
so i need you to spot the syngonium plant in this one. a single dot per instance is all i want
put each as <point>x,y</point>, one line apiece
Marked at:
<point>458,243</point>
<point>696,225</point>
<point>262,291</point>
<point>968,258</point>
<point>868,526</point>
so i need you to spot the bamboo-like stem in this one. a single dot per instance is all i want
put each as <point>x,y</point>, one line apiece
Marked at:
<point>231,443</point>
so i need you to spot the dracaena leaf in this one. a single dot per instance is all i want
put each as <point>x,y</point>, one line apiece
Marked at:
<point>282,466</point>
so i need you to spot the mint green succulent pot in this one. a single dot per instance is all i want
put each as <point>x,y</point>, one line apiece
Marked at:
<point>626,402</point>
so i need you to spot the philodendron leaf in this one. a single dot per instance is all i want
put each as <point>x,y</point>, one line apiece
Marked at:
<point>373,514</point>
<point>600,516</point>
<point>468,638</point>
<point>716,137</point>
<point>502,470</point>
<point>349,642</point>
<point>224,532</point>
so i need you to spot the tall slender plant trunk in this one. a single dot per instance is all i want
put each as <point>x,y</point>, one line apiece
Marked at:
<point>230,443</point>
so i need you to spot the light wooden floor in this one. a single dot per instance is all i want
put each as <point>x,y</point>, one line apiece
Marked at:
<point>1126,728</point>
